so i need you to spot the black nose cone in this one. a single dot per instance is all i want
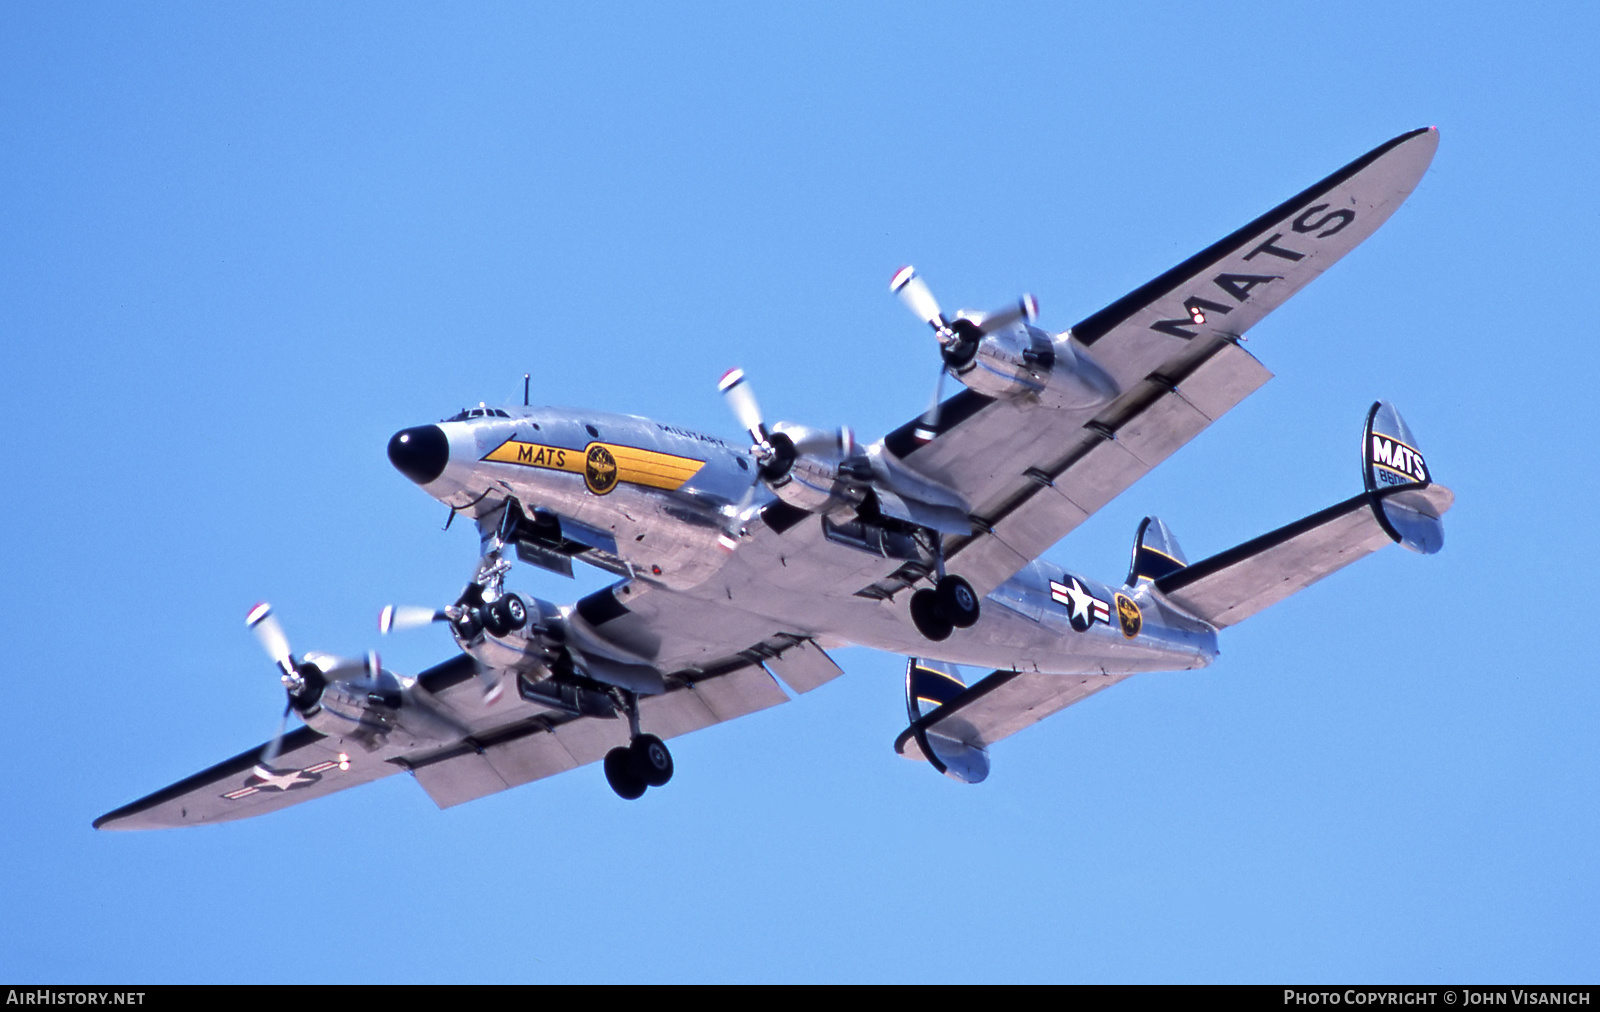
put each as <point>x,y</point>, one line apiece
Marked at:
<point>420,453</point>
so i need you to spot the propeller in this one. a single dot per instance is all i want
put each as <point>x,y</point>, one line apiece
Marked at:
<point>778,450</point>
<point>270,753</point>
<point>958,339</point>
<point>269,633</point>
<point>742,402</point>
<point>406,616</point>
<point>781,445</point>
<point>397,617</point>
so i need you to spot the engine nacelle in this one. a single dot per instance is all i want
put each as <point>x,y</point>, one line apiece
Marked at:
<point>814,483</point>
<point>1025,362</point>
<point>513,632</point>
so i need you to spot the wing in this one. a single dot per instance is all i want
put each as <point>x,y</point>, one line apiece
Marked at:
<point>310,765</point>
<point>1034,473</point>
<point>550,741</point>
<point>524,737</point>
<point>718,664</point>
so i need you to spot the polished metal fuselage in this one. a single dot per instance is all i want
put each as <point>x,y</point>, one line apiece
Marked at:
<point>667,495</point>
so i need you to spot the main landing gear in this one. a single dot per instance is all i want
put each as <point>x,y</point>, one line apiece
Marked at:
<point>644,762</point>
<point>951,604</point>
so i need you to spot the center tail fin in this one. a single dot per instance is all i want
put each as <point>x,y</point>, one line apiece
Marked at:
<point>1155,552</point>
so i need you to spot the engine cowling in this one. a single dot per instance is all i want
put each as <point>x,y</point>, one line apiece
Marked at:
<point>1025,362</point>
<point>813,482</point>
<point>511,631</point>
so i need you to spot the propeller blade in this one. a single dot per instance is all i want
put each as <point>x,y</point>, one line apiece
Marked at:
<point>408,617</point>
<point>821,442</point>
<point>742,401</point>
<point>914,292</point>
<point>489,679</point>
<point>275,746</point>
<point>928,425</point>
<point>270,634</point>
<point>1025,308</point>
<point>728,540</point>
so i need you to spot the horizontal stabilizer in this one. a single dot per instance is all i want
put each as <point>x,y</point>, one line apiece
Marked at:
<point>952,730</point>
<point>1400,505</point>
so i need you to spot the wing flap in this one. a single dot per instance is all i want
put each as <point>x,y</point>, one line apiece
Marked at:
<point>740,692</point>
<point>1232,586</point>
<point>804,666</point>
<point>1052,499</point>
<point>459,779</point>
<point>529,758</point>
<point>538,749</point>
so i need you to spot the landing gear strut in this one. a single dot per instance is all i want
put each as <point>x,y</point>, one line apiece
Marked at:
<point>644,762</point>
<point>951,604</point>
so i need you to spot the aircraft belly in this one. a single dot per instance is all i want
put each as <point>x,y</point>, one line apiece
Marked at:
<point>663,539</point>
<point>741,607</point>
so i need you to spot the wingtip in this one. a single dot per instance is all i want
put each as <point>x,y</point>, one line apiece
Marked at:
<point>108,821</point>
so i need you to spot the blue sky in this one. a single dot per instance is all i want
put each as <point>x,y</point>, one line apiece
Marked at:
<point>242,245</point>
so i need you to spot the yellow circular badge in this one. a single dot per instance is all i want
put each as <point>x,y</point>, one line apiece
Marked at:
<point>1128,616</point>
<point>599,469</point>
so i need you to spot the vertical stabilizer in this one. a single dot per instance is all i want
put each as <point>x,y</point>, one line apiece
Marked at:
<point>931,685</point>
<point>1155,552</point>
<point>1396,476</point>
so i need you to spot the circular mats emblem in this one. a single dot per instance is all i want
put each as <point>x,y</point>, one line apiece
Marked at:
<point>599,469</point>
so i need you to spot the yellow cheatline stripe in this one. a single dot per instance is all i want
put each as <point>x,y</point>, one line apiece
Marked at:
<point>641,467</point>
<point>653,468</point>
<point>554,458</point>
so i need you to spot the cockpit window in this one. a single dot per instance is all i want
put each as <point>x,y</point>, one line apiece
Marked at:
<point>466,413</point>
